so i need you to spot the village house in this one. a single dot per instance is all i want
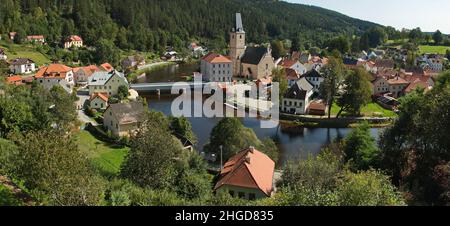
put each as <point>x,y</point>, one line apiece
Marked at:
<point>419,81</point>
<point>132,62</point>
<point>22,66</point>
<point>315,78</point>
<point>305,57</point>
<point>383,64</point>
<point>196,50</point>
<point>12,35</point>
<point>99,101</point>
<point>73,41</point>
<point>81,75</point>
<point>433,62</point>
<point>247,175</point>
<point>3,55</point>
<point>292,76</point>
<point>124,118</point>
<point>15,80</point>
<point>394,85</point>
<point>293,64</point>
<point>56,74</point>
<point>316,63</point>
<point>249,62</point>
<point>298,97</point>
<point>36,39</point>
<point>216,68</point>
<point>106,82</point>
<point>170,56</point>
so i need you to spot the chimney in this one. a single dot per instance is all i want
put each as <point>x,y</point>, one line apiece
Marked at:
<point>251,149</point>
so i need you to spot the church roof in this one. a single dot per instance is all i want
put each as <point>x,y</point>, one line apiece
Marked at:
<point>253,55</point>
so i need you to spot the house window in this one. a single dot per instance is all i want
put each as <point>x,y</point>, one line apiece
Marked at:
<point>251,196</point>
<point>241,195</point>
<point>232,193</point>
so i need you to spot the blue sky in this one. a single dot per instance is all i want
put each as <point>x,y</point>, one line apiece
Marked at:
<point>428,15</point>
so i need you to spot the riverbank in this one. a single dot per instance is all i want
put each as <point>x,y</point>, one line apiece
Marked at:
<point>325,122</point>
<point>133,76</point>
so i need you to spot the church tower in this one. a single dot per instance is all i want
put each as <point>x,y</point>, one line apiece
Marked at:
<point>237,45</point>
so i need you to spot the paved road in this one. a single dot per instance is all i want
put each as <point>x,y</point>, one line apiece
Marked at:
<point>80,106</point>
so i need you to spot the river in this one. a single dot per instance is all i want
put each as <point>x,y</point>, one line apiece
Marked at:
<point>291,145</point>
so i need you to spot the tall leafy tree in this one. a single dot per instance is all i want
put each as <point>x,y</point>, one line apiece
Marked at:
<point>360,149</point>
<point>438,37</point>
<point>333,73</point>
<point>357,92</point>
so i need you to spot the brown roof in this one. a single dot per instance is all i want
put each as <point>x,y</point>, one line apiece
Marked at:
<point>397,81</point>
<point>288,63</point>
<point>216,58</point>
<point>418,82</point>
<point>89,70</point>
<point>127,113</point>
<point>31,37</point>
<point>291,74</point>
<point>295,55</point>
<point>385,63</point>
<point>317,106</point>
<point>249,168</point>
<point>21,61</point>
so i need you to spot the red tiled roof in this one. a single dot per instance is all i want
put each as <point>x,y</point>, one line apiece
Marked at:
<point>31,37</point>
<point>418,82</point>
<point>17,80</point>
<point>89,70</point>
<point>53,71</point>
<point>107,67</point>
<point>102,96</point>
<point>250,168</point>
<point>74,38</point>
<point>216,58</point>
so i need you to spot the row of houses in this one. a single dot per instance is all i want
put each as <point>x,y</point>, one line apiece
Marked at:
<point>68,42</point>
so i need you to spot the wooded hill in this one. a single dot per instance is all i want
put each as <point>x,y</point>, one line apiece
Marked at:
<point>152,24</point>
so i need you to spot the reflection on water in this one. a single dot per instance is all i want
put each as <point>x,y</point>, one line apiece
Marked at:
<point>172,73</point>
<point>292,145</point>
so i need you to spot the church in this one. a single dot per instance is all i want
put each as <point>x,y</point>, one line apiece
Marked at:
<point>249,62</point>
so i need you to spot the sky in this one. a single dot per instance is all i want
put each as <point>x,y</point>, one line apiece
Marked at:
<point>428,15</point>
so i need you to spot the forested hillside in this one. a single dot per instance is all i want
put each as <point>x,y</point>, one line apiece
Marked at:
<point>153,24</point>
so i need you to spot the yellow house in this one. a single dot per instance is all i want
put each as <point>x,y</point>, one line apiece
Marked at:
<point>106,82</point>
<point>99,101</point>
<point>124,118</point>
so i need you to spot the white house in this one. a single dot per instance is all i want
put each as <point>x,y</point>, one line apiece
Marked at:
<point>56,74</point>
<point>216,68</point>
<point>298,97</point>
<point>23,66</point>
<point>73,41</point>
<point>295,65</point>
<point>196,49</point>
<point>315,78</point>
<point>82,74</point>
<point>106,82</point>
<point>3,55</point>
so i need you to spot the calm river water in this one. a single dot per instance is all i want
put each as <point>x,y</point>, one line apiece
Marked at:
<point>292,145</point>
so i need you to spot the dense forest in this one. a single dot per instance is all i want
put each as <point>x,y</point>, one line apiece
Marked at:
<point>151,25</point>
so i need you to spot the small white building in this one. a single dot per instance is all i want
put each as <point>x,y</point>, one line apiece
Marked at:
<point>106,82</point>
<point>315,78</point>
<point>73,41</point>
<point>297,99</point>
<point>295,65</point>
<point>22,66</point>
<point>217,68</point>
<point>3,55</point>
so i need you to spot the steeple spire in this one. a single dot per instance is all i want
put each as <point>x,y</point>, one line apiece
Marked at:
<point>239,26</point>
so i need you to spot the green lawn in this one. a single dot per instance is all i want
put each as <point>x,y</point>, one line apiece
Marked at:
<point>371,110</point>
<point>24,51</point>
<point>433,49</point>
<point>105,157</point>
